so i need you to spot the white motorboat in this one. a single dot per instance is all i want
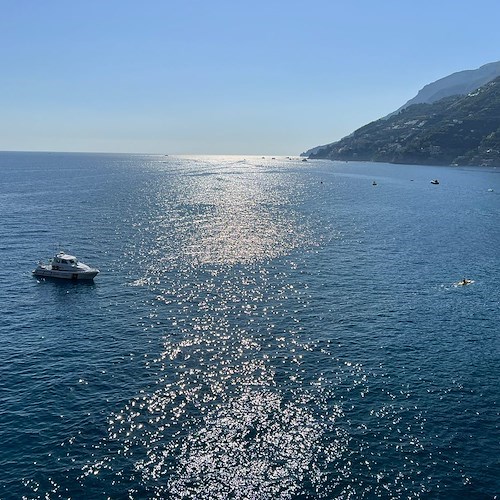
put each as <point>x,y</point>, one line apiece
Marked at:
<point>67,267</point>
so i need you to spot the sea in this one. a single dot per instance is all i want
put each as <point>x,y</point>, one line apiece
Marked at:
<point>261,328</point>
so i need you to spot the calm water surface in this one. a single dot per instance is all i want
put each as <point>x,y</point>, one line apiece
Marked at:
<point>260,329</point>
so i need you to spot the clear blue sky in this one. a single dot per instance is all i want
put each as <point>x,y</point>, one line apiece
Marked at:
<point>223,77</point>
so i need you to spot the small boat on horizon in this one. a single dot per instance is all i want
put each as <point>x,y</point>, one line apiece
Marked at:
<point>434,181</point>
<point>65,266</point>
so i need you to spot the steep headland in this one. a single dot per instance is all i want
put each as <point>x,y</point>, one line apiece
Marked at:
<point>458,129</point>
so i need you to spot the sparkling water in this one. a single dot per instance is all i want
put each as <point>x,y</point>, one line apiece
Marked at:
<point>261,328</point>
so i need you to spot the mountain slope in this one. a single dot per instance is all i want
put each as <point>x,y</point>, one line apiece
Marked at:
<point>461,130</point>
<point>460,83</point>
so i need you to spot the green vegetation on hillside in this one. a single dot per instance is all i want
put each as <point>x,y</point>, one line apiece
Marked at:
<point>458,130</point>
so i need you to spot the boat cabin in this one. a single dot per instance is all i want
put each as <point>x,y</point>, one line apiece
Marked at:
<point>62,259</point>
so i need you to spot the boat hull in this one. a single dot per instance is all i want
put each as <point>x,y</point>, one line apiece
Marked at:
<point>65,275</point>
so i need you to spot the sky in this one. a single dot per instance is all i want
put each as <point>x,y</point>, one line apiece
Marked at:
<point>273,77</point>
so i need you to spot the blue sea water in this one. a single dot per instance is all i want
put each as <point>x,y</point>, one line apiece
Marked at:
<point>260,329</point>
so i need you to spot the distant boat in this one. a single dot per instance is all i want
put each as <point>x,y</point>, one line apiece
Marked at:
<point>434,181</point>
<point>374,183</point>
<point>304,159</point>
<point>67,267</point>
<point>464,282</point>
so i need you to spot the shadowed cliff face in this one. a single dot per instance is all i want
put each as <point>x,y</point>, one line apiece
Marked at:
<point>457,130</point>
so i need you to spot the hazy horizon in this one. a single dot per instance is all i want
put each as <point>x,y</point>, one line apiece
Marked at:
<point>270,78</point>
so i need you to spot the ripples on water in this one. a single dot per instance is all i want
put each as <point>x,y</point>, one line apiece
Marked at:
<point>261,329</point>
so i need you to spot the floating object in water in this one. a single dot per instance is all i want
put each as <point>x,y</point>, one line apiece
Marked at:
<point>374,183</point>
<point>464,282</point>
<point>434,181</point>
<point>67,267</point>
